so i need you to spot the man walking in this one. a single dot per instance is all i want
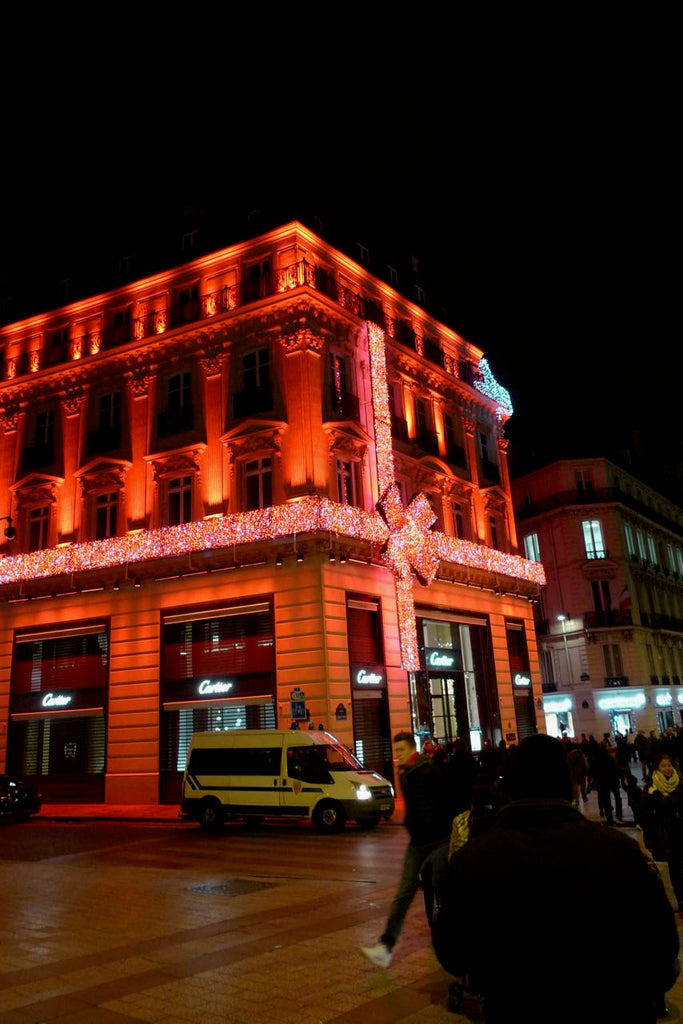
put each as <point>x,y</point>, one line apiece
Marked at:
<point>428,818</point>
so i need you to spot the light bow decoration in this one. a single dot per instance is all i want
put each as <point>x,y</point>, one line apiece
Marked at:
<point>410,547</point>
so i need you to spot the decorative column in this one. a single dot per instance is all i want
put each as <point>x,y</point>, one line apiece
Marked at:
<point>503,445</point>
<point>212,367</point>
<point>304,446</point>
<point>69,508</point>
<point>478,510</point>
<point>139,494</point>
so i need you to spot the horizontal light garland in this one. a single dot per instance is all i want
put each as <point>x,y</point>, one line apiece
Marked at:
<point>307,515</point>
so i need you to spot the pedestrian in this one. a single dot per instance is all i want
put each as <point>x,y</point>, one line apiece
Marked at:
<point>428,817</point>
<point>606,779</point>
<point>553,875</point>
<point>661,819</point>
<point>578,770</point>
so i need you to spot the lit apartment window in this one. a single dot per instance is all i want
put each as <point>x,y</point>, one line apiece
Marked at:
<point>106,510</point>
<point>592,539</point>
<point>630,540</point>
<point>671,557</point>
<point>38,528</point>
<point>679,561</point>
<point>346,482</point>
<point>258,483</point>
<point>179,491</point>
<point>652,550</point>
<point>531,547</point>
<point>642,550</point>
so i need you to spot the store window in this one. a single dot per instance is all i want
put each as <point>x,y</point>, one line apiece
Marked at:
<point>57,710</point>
<point>218,673</point>
<point>518,654</point>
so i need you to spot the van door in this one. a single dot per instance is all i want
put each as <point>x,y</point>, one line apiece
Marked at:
<point>306,777</point>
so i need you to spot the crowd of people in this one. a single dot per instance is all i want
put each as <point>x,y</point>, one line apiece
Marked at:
<point>499,840</point>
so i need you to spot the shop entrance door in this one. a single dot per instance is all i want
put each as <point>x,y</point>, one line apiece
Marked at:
<point>449,707</point>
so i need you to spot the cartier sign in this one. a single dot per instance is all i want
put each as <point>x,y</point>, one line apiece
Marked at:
<point>368,675</point>
<point>440,659</point>
<point>56,700</point>
<point>207,686</point>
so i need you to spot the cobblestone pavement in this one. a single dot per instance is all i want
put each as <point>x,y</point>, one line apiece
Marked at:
<point>96,941</point>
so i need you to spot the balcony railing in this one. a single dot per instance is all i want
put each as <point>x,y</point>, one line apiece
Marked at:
<point>595,620</point>
<point>253,401</point>
<point>344,404</point>
<point>38,456</point>
<point>157,321</point>
<point>490,471</point>
<point>456,456</point>
<point>104,439</point>
<point>399,428</point>
<point>175,421</point>
<point>428,441</point>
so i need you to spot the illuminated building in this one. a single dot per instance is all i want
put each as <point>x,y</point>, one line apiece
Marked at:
<point>260,485</point>
<point>610,620</point>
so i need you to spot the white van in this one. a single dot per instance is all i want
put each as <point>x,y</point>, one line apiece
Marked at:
<point>257,773</point>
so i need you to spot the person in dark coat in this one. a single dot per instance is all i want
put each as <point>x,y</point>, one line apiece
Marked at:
<point>428,817</point>
<point>551,874</point>
<point>606,778</point>
<point>661,818</point>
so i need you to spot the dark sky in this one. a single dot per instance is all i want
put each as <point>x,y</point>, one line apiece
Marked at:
<point>535,176</point>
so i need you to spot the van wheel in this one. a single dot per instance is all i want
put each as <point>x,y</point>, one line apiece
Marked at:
<point>210,814</point>
<point>329,817</point>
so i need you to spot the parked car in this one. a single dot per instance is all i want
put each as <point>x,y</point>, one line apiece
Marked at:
<point>18,800</point>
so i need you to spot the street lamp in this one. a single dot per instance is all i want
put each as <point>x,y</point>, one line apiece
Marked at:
<point>562,617</point>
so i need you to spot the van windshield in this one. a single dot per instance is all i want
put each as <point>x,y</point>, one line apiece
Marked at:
<point>315,762</point>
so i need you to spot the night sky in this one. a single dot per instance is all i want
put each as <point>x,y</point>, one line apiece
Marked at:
<point>535,178</point>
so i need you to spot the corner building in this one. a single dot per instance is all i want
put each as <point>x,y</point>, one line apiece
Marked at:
<point>257,489</point>
<point>610,619</point>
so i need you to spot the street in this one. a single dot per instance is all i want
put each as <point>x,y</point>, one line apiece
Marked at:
<point>111,922</point>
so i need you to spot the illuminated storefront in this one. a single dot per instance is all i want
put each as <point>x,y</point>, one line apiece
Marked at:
<point>57,709</point>
<point>242,506</point>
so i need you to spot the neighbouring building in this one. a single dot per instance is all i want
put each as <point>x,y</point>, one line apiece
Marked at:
<point>260,489</point>
<point>609,621</point>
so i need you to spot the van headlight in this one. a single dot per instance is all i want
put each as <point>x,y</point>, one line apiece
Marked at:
<point>363,792</point>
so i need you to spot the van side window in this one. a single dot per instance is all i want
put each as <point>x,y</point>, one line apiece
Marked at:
<point>255,761</point>
<point>235,761</point>
<point>307,764</point>
<point>208,761</point>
